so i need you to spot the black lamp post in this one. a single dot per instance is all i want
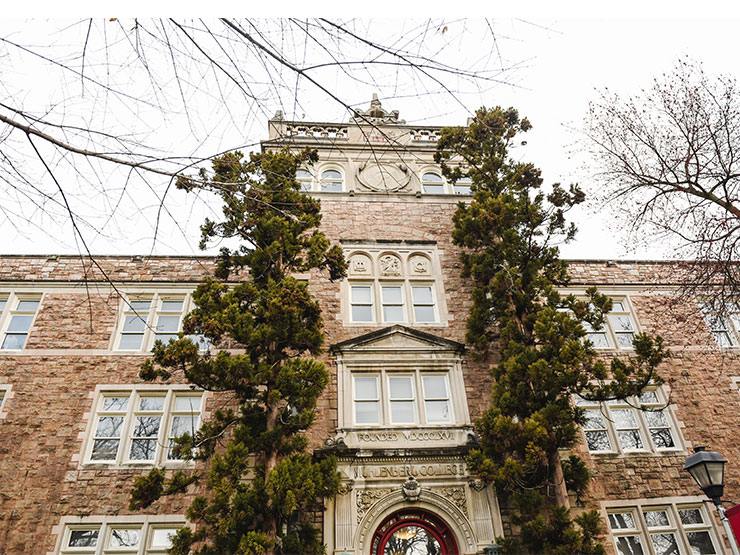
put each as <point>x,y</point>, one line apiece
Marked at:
<point>707,468</point>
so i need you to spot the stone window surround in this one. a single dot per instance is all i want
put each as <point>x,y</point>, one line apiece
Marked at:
<point>147,523</point>
<point>12,297</point>
<point>672,504</point>
<point>372,276</point>
<point>155,296</point>
<point>348,369</point>
<point>6,394</point>
<point>317,172</point>
<point>82,458</point>
<point>447,187</point>
<point>648,446</point>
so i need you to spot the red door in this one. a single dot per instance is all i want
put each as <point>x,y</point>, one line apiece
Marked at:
<point>413,532</point>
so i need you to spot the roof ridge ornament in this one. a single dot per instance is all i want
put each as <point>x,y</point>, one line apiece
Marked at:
<point>376,113</point>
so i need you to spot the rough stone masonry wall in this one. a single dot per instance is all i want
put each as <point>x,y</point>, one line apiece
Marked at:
<point>51,384</point>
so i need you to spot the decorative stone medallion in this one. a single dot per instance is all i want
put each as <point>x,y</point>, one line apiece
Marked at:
<point>383,176</point>
<point>419,264</point>
<point>390,265</point>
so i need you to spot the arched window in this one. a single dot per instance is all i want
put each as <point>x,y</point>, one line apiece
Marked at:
<point>432,183</point>
<point>332,180</point>
<point>462,186</point>
<point>305,179</point>
<point>413,532</point>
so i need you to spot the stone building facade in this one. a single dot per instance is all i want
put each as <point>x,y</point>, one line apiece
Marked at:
<point>79,425</point>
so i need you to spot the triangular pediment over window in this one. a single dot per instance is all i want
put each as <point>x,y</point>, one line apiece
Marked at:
<point>397,338</point>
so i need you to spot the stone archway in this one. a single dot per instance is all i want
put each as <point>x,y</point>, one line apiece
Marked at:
<point>413,532</point>
<point>428,503</point>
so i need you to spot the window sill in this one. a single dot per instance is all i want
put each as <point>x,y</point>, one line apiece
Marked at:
<point>135,465</point>
<point>637,454</point>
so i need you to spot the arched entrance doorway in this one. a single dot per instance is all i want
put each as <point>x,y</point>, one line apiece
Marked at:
<point>413,532</point>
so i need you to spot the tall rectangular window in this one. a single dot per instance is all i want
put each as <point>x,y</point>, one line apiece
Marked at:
<point>402,399</point>
<point>367,399</point>
<point>18,312</point>
<point>436,398</point>
<point>361,298</point>
<point>140,426</point>
<point>423,303</point>
<point>392,303</point>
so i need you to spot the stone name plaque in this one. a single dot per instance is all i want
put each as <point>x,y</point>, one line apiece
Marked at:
<point>423,470</point>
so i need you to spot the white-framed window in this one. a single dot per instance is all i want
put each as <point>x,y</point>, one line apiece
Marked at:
<point>17,313</point>
<point>400,286</point>
<point>401,398</point>
<point>640,424</point>
<point>725,328</point>
<point>6,393</point>
<point>149,317</point>
<point>305,179</point>
<point>405,302</point>
<point>462,186</point>
<point>332,180</point>
<point>619,328</point>
<point>138,426</point>
<point>151,535</point>
<point>432,183</point>
<point>663,529</point>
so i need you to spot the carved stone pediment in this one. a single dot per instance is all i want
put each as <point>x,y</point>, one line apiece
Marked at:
<point>398,338</point>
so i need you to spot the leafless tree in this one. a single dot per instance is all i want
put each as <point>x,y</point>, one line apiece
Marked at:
<point>125,107</point>
<point>668,159</point>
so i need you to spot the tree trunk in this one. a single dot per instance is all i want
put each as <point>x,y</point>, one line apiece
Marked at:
<point>558,480</point>
<point>271,460</point>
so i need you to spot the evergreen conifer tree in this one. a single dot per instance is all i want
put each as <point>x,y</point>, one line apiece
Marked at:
<point>535,337</point>
<point>262,485</point>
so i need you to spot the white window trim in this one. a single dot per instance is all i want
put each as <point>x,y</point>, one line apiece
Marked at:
<point>371,277</point>
<point>448,188</point>
<point>634,405</point>
<point>319,179</point>
<point>407,300</point>
<point>611,335</point>
<point>672,505</point>
<point>149,334</point>
<point>311,183</point>
<point>730,322</point>
<point>134,392</point>
<point>12,298</point>
<point>147,523</point>
<point>455,389</point>
<point>7,395</point>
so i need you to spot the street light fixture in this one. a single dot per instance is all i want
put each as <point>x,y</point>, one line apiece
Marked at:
<point>707,468</point>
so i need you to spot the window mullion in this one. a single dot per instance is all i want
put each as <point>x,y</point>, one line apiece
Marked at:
<point>421,408</point>
<point>163,440</point>
<point>127,431</point>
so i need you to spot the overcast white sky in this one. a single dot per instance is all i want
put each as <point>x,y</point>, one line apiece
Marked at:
<point>558,63</point>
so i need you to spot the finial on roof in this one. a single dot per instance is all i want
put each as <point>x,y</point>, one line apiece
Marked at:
<point>376,113</point>
<point>278,116</point>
